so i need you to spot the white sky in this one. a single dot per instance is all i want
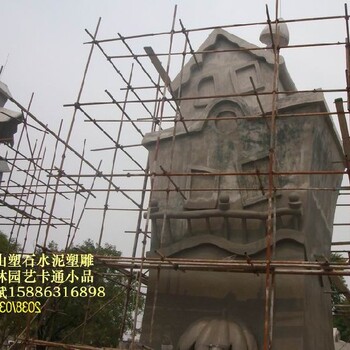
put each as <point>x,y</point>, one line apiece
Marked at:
<point>42,51</point>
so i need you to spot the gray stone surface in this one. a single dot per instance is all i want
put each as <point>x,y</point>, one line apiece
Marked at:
<point>229,220</point>
<point>8,119</point>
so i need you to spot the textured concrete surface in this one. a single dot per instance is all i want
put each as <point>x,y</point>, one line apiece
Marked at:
<point>229,220</point>
<point>8,119</point>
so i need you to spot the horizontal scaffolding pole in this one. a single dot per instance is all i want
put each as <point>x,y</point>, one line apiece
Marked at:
<point>239,49</point>
<point>46,343</point>
<point>341,243</point>
<point>189,98</point>
<point>233,173</point>
<point>216,189</point>
<point>237,25</point>
<point>266,116</point>
<point>228,265</point>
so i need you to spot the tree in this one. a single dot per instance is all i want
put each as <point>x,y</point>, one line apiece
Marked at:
<point>11,324</point>
<point>8,245</point>
<point>341,321</point>
<point>91,320</point>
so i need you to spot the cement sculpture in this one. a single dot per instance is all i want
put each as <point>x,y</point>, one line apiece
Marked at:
<point>8,119</point>
<point>224,217</point>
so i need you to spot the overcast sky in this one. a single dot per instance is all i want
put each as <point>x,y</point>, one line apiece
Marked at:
<point>42,48</point>
<point>42,40</point>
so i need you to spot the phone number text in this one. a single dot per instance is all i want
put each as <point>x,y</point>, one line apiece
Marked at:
<point>55,292</point>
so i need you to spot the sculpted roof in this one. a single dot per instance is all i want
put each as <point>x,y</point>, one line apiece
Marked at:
<point>210,44</point>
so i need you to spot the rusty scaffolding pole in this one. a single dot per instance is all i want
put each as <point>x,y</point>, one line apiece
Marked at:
<point>38,187</point>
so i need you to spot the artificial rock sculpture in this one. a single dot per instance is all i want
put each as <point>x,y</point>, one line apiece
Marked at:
<point>9,121</point>
<point>217,333</point>
<point>222,216</point>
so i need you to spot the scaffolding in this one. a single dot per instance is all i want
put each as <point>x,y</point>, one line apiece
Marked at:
<point>57,186</point>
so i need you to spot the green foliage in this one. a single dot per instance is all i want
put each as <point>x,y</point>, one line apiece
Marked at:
<point>340,321</point>
<point>10,324</point>
<point>95,320</point>
<point>8,245</point>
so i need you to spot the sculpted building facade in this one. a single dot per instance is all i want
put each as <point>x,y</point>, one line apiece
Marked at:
<point>9,121</point>
<point>222,216</point>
